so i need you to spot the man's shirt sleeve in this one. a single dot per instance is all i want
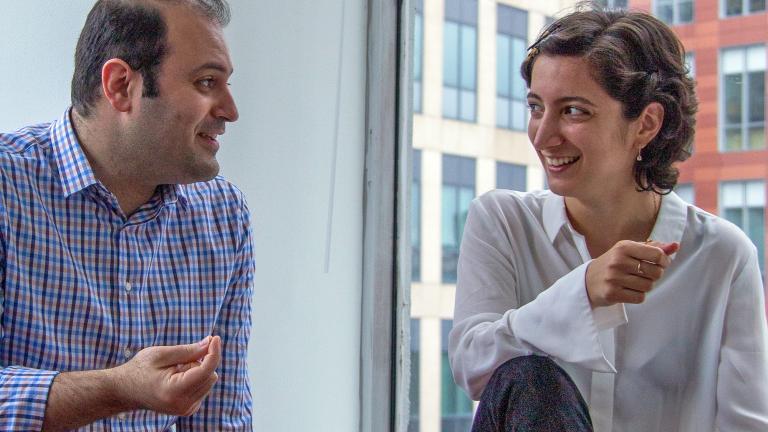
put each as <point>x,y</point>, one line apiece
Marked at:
<point>23,391</point>
<point>228,406</point>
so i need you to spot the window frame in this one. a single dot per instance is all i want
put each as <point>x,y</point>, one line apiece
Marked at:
<point>675,12</point>
<point>744,226</point>
<point>744,7</point>
<point>385,285</point>
<point>461,22</point>
<point>745,100</point>
<point>512,73</point>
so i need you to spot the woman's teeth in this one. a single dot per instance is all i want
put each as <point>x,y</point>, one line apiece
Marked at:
<point>561,160</point>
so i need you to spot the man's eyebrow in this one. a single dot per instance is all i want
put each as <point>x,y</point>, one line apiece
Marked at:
<point>564,99</point>
<point>215,66</point>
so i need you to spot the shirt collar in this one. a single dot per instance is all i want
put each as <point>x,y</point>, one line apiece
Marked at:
<point>669,226</point>
<point>173,193</point>
<point>670,223</point>
<point>553,215</point>
<point>75,172</point>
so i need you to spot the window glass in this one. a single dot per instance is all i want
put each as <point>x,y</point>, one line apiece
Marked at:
<point>511,176</point>
<point>743,98</point>
<point>743,203</point>
<point>457,192</point>
<point>413,391</point>
<point>685,192</point>
<point>455,406</point>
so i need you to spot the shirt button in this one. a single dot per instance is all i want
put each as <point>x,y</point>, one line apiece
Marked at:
<point>121,416</point>
<point>127,353</point>
<point>128,287</point>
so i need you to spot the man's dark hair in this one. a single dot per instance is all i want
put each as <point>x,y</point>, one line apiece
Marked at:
<point>636,59</point>
<point>133,31</point>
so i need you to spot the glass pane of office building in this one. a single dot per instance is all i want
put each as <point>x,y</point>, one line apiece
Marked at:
<point>458,191</point>
<point>686,192</point>
<point>416,217</point>
<point>469,55</point>
<point>511,176</point>
<point>511,44</point>
<point>456,407</point>
<point>742,7</point>
<point>613,3</point>
<point>460,59</point>
<point>418,48</point>
<point>743,96</point>
<point>743,203</point>
<point>675,11</point>
<point>413,391</point>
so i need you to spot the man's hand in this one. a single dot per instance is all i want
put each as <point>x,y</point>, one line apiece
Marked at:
<point>170,379</point>
<point>627,272</point>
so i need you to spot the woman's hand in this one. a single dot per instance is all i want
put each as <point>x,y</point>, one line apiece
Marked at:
<point>627,272</point>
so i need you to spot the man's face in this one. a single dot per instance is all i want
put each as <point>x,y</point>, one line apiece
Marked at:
<point>175,135</point>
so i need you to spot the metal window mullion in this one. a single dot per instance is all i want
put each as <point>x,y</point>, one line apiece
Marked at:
<point>745,208</point>
<point>510,78</point>
<point>744,104</point>
<point>458,73</point>
<point>675,12</point>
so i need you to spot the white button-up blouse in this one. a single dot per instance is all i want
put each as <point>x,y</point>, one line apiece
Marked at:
<point>692,357</point>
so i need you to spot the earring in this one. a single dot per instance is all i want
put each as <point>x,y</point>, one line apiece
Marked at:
<point>639,157</point>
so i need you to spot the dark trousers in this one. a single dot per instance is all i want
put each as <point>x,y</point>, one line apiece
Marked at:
<point>531,394</point>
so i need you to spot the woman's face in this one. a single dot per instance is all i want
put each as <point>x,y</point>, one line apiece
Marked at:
<point>584,142</point>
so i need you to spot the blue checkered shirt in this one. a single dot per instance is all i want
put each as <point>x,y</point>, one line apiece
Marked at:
<point>85,287</point>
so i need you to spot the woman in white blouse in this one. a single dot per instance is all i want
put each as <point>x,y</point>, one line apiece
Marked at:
<point>608,303</point>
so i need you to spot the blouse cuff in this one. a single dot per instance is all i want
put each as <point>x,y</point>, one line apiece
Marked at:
<point>561,323</point>
<point>609,317</point>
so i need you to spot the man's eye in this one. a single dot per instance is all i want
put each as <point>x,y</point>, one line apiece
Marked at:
<point>207,82</point>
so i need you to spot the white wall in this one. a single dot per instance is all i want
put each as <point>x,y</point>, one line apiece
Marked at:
<point>305,343</point>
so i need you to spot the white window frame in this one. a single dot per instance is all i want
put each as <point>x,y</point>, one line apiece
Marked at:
<point>744,7</point>
<point>721,96</point>
<point>676,12</point>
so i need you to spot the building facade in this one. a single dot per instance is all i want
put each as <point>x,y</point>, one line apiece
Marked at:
<point>725,42</point>
<point>469,136</point>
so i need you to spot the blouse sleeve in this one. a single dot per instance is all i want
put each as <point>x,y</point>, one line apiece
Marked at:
<point>490,324</point>
<point>742,375</point>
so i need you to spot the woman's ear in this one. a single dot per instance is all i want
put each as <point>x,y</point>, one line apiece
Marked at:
<point>649,124</point>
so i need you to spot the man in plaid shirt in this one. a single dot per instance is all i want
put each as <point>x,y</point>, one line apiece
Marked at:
<point>125,260</point>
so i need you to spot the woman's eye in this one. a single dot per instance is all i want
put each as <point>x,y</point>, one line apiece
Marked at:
<point>572,110</point>
<point>533,107</point>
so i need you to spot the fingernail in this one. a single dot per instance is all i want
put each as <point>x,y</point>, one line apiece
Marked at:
<point>204,342</point>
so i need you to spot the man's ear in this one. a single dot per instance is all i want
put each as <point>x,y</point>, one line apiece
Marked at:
<point>120,84</point>
<point>650,122</point>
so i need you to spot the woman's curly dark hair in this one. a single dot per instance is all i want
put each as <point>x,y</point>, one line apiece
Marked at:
<point>637,59</point>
